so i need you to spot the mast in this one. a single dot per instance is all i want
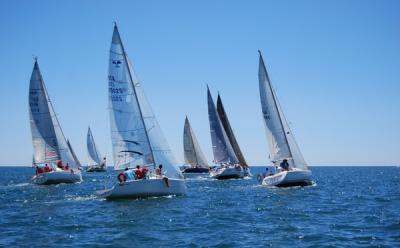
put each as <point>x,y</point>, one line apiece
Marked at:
<point>276,106</point>
<point>134,90</point>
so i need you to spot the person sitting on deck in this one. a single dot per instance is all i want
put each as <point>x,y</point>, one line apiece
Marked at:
<point>47,168</point>
<point>59,164</point>
<point>39,170</point>
<point>284,165</point>
<point>103,164</point>
<point>159,171</point>
<point>128,174</point>
<point>66,167</point>
<point>140,172</point>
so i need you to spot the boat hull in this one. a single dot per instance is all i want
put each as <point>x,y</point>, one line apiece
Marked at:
<point>295,177</point>
<point>56,177</point>
<point>195,170</point>
<point>227,173</point>
<point>96,169</point>
<point>144,188</point>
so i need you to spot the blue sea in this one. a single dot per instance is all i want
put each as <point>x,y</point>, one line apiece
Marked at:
<point>347,207</point>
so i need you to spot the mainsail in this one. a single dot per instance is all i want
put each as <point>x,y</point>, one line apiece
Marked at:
<point>192,152</point>
<point>136,135</point>
<point>94,155</point>
<point>222,148</point>
<point>229,132</point>
<point>49,143</point>
<point>282,144</point>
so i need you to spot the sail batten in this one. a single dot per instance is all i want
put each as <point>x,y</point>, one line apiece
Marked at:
<point>222,148</point>
<point>192,152</point>
<point>282,144</point>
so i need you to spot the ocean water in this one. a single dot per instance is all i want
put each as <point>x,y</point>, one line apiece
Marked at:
<point>348,207</point>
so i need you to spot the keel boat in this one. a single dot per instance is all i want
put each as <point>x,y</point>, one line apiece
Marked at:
<point>96,163</point>
<point>195,161</point>
<point>292,169</point>
<point>49,144</point>
<point>136,136</point>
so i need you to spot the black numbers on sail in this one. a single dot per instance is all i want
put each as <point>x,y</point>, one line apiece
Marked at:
<point>116,98</point>
<point>111,78</point>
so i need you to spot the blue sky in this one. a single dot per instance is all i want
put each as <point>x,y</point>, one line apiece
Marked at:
<point>334,64</point>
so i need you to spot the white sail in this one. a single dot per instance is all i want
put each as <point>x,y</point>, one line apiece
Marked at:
<point>222,148</point>
<point>192,152</point>
<point>44,140</point>
<point>282,144</point>
<point>94,155</point>
<point>129,139</point>
<point>78,164</point>
<point>48,140</point>
<point>136,135</point>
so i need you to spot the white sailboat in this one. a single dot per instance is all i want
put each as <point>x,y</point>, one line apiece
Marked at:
<point>49,143</point>
<point>195,161</point>
<point>224,154</point>
<point>96,163</point>
<point>282,145</point>
<point>136,136</point>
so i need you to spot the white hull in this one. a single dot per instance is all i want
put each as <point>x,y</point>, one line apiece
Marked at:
<point>145,188</point>
<point>56,177</point>
<point>294,177</point>
<point>96,168</point>
<point>227,173</point>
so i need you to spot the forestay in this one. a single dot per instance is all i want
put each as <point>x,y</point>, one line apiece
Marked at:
<point>192,152</point>
<point>222,148</point>
<point>136,135</point>
<point>94,155</point>
<point>281,141</point>
<point>229,132</point>
<point>49,143</point>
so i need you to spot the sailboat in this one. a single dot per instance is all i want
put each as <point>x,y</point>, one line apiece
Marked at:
<point>224,154</point>
<point>195,160</point>
<point>49,143</point>
<point>96,163</point>
<point>136,136</point>
<point>231,136</point>
<point>282,145</point>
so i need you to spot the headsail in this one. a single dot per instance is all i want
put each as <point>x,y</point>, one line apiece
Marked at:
<point>229,132</point>
<point>136,135</point>
<point>192,152</point>
<point>222,148</point>
<point>78,164</point>
<point>282,144</point>
<point>94,155</point>
<point>48,140</point>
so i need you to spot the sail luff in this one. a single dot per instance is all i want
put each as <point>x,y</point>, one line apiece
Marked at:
<point>229,132</point>
<point>93,153</point>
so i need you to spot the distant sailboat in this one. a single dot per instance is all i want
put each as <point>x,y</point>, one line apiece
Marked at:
<point>282,145</point>
<point>96,163</point>
<point>224,154</point>
<point>195,160</point>
<point>231,136</point>
<point>49,143</point>
<point>136,135</point>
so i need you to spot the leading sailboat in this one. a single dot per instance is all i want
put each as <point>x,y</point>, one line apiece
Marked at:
<point>293,170</point>
<point>53,159</point>
<point>136,136</point>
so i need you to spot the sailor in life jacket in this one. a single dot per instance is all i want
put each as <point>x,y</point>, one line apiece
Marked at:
<point>47,168</point>
<point>140,172</point>
<point>159,172</point>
